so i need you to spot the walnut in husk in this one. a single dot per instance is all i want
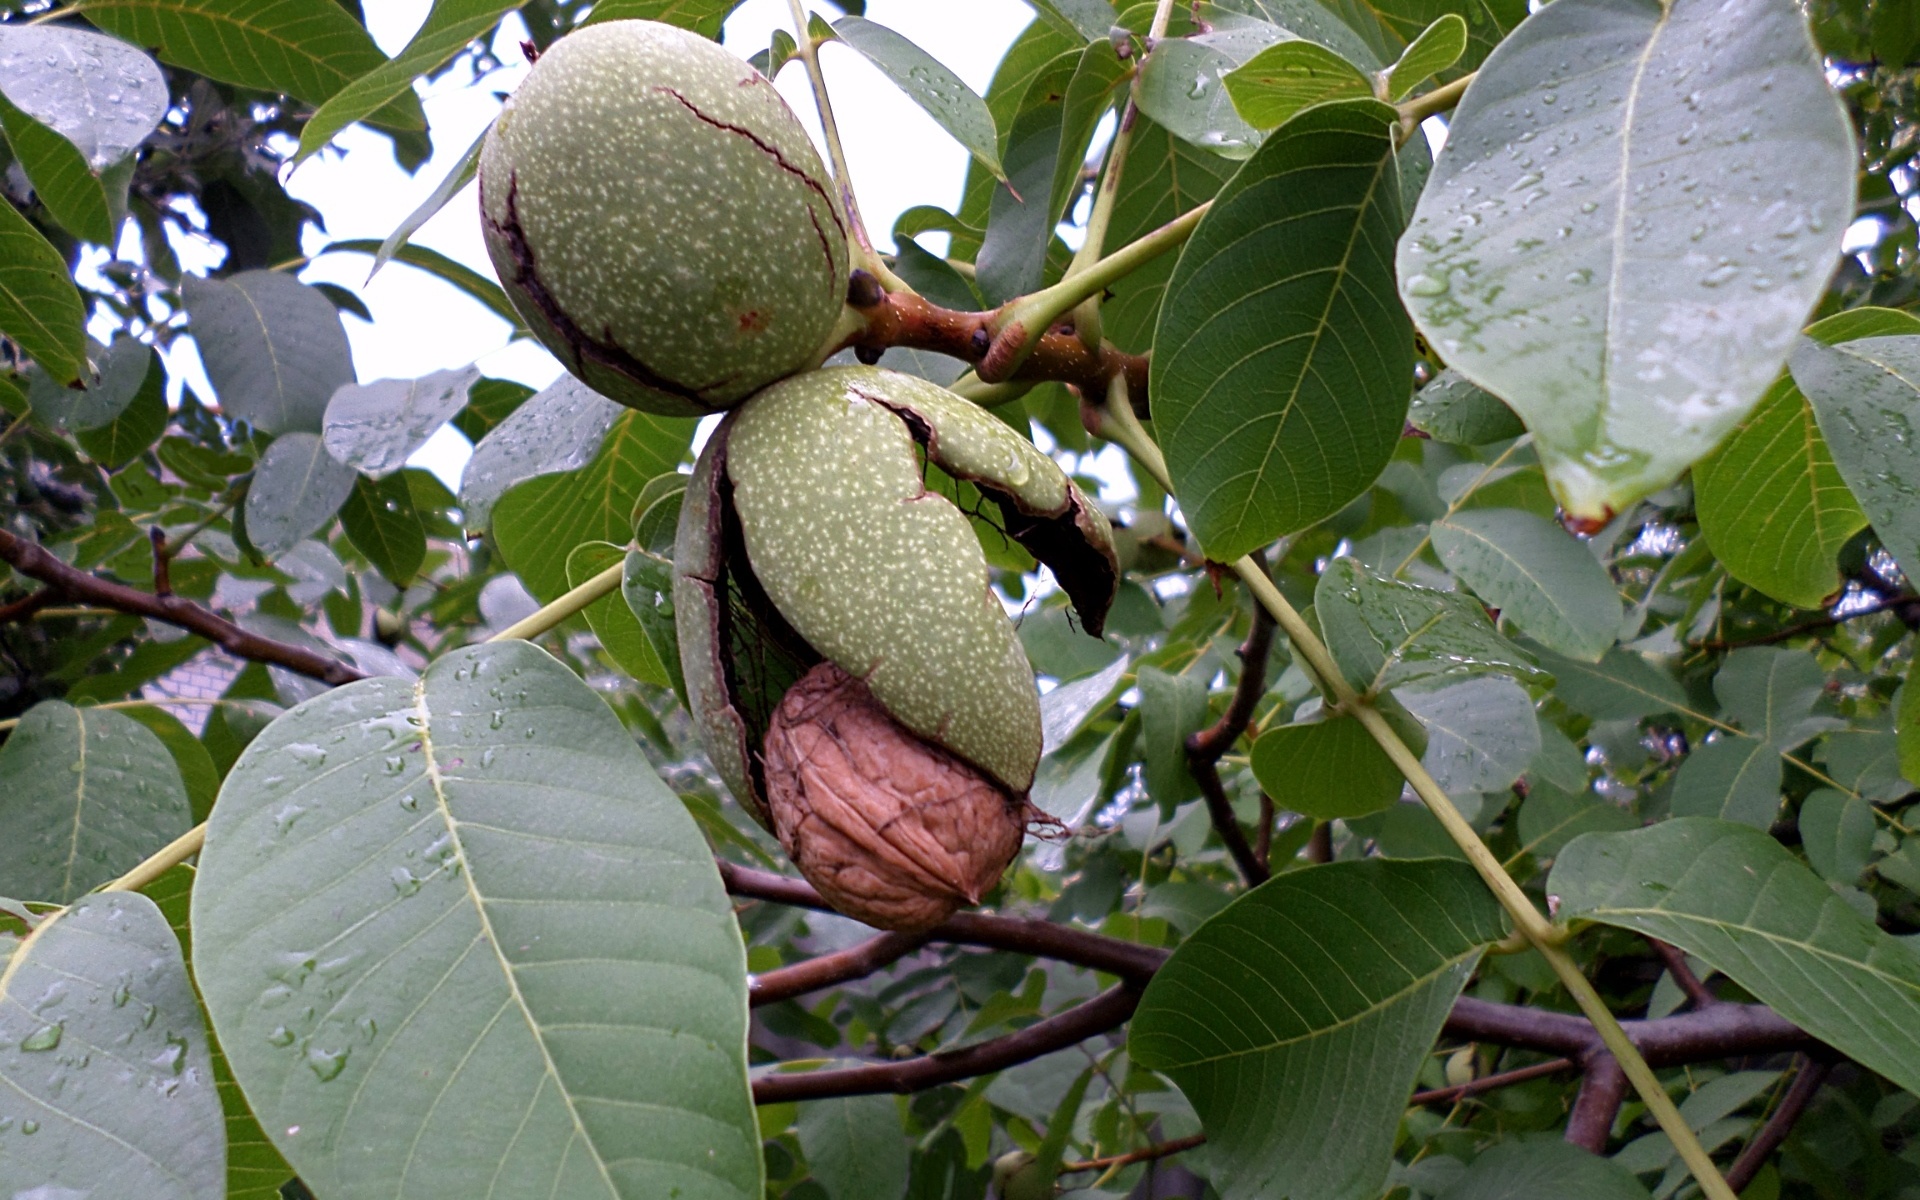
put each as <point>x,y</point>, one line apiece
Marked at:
<point>660,219</point>
<point>892,831</point>
<point>855,678</point>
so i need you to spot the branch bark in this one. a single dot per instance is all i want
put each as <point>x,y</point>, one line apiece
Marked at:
<point>35,562</point>
<point>1602,1090</point>
<point>906,320</point>
<point>1723,1030</point>
<point>1205,748</point>
<point>1676,962</point>
<point>856,962</point>
<point>1805,1086</point>
<point>1109,1010</point>
<point>1130,961</point>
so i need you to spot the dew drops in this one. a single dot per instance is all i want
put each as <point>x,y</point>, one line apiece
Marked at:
<point>1426,285</point>
<point>47,1037</point>
<point>326,1065</point>
<point>405,882</point>
<point>280,1036</point>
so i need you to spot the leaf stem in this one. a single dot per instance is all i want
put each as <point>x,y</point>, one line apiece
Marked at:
<point>1439,100</point>
<point>1020,324</point>
<point>550,616</point>
<point>1546,938</point>
<point>864,257</point>
<point>161,861</point>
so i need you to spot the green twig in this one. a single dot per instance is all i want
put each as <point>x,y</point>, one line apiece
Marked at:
<point>161,861</point>
<point>1439,100</point>
<point>864,257</point>
<point>566,606</point>
<point>1019,325</point>
<point>1120,425</point>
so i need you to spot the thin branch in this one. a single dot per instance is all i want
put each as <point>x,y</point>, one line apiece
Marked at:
<point>162,860</point>
<point>856,962</point>
<point>808,51</point>
<point>551,615</point>
<point>1158,1150</point>
<point>1677,966</point>
<point>1129,961</point>
<point>1602,1090</point>
<point>1810,625</point>
<point>1806,1084</point>
<point>162,562</point>
<point>31,560</point>
<point>1491,1083</point>
<point>1723,1031</point>
<point>1016,324</point>
<point>1437,101</point>
<point>1445,1095</point>
<point>1205,747</point>
<point>1263,835</point>
<point>27,605</point>
<point>1320,843</point>
<point>1108,1010</point>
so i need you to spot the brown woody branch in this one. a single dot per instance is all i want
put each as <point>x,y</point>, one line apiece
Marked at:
<point>1109,1010</point>
<point>26,606</point>
<point>1491,1083</point>
<point>825,971</point>
<point>1906,605</point>
<point>1130,961</point>
<point>1158,1150</point>
<point>1603,1088</point>
<point>1677,966</point>
<point>901,319</point>
<point>1806,1084</point>
<point>1723,1030</point>
<point>31,560</point>
<point>1205,747</point>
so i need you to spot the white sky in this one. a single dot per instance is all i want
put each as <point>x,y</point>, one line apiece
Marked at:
<point>898,156</point>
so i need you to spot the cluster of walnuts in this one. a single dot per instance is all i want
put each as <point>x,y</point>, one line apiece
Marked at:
<point>664,225</point>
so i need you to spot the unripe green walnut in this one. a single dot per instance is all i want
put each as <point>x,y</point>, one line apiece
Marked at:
<point>858,685</point>
<point>660,219</point>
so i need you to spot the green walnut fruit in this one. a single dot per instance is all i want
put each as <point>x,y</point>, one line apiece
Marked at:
<point>660,219</point>
<point>858,684</point>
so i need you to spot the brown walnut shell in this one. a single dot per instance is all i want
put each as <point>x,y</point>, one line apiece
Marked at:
<point>893,831</point>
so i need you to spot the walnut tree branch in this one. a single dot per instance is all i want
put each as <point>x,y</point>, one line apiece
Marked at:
<point>1205,747</point>
<point>856,962</point>
<point>1806,1084</point>
<point>33,561</point>
<point>1603,1088</point>
<point>1108,1010</point>
<point>1677,966</point>
<point>1130,961</point>
<point>906,320</point>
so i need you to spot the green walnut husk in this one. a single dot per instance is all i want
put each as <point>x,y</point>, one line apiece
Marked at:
<point>661,221</point>
<point>808,534</point>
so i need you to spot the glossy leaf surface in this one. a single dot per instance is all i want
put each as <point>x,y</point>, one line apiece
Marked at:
<point>1733,896</point>
<point>1279,398</point>
<point>103,1058</point>
<point>89,794</point>
<point>1295,1019</point>
<point>1543,260</point>
<point>478,870</point>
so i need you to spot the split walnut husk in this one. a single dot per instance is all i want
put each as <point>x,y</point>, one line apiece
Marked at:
<point>856,680</point>
<point>891,830</point>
